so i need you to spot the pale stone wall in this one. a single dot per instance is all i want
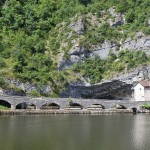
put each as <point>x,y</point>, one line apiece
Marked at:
<point>139,93</point>
<point>1,91</point>
<point>147,94</point>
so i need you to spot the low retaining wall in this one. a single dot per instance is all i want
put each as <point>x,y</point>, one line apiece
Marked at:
<point>83,111</point>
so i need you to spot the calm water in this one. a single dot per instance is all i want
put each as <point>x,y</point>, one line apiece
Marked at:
<point>75,132</point>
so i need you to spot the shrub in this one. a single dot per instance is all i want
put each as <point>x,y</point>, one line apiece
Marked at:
<point>3,83</point>
<point>96,69</point>
<point>2,63</point>
<point>34,93</point>
<point>146,106</point>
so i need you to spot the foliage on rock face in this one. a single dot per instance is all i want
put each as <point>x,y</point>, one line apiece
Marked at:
<point>30,39</point>
<point>96,69</point>
<point>3,84</point>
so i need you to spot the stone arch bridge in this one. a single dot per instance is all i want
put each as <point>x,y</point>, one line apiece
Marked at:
<point>14,101</point>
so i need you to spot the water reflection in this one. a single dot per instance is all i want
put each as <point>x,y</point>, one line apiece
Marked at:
<point>75,132</point>
<point>140,132</point>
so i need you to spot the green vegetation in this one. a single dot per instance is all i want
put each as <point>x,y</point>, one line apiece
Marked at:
<point>32,34</point>
<point>96,69</point>
<point>146,106</point>
<point>3,84</point>
<point>3,107</point>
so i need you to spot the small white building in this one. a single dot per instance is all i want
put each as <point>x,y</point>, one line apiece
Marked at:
<point>142,91</point>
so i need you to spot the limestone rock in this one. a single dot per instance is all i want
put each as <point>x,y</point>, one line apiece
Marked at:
<point>148,22</point>
<point>24,86</point>
<point>18,88</point>
<point>139,42</point>
<point>64,64</point>
<point>117,18</point>
<point>77,53</point>
<point>142,43</point>
<point>119,87</point>
<point>114,89</point>
<point>78,26</point>
<point>14,92</point>
<point>74,58</point>
<point>103,50</point>
<point>76,50</point>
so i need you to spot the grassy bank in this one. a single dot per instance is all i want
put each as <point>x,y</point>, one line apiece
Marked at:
<point>3,108</point>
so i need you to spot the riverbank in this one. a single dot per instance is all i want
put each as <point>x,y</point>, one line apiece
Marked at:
<point>65,111</point>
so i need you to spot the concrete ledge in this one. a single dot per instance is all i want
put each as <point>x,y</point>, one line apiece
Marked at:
<point>83,111</point>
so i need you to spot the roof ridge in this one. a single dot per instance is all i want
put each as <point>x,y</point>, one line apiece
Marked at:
<point>145,83</point>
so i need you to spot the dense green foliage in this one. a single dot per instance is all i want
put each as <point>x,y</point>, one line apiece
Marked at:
<point>96,69</point>
<point>29,35</point>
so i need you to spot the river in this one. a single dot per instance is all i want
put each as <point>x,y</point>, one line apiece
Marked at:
<point>75,132</point>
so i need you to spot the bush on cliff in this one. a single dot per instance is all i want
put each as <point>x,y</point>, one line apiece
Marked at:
<point>27,53</point>
<point>97,69</point>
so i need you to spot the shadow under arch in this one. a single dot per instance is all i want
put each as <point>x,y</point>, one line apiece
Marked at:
<point>118,106</point>
<point>50,106</point>
<point>25,105</point>
<point>75,105</point>
<point>134,109</point>
<point>96,106</point>
<point>5,103</point>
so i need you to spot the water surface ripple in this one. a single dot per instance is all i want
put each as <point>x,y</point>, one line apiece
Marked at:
<point>75,132</point>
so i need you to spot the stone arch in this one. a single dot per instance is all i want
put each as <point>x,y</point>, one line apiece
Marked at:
<point>134,109</point>
<point>22,105</point>
<point>119,106</point>
<point>96,106</point>
<point>25,105</point>
<point>75,105</point>
<point>31,106</point>
<point>51,105</point>
<point>5,103</point>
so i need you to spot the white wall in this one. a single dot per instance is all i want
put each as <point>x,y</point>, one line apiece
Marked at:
<point>147,94</point>
<point>139,93</point>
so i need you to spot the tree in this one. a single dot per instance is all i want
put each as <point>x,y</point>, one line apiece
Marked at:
<point>85,2</point>
<point>130,16</point>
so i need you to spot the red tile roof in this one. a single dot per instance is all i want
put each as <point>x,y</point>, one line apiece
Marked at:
<point>145,83</point>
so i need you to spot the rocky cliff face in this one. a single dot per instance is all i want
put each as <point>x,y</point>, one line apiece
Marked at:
<point>77,32</point>
<point>18,88</point>
<point>119,87</point>
<point>138,42</point>
<point>74,46</point>
<point>114,89</point>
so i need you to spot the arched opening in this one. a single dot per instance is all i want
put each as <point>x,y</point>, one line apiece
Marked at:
<point>4,104</point>
<point>74,105</point>
<point>96,106</point>
<point>50,106</point>
<point>118,106</point>
<point>31,106</point>
<point>22,105</point>
<point>134,110</point>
